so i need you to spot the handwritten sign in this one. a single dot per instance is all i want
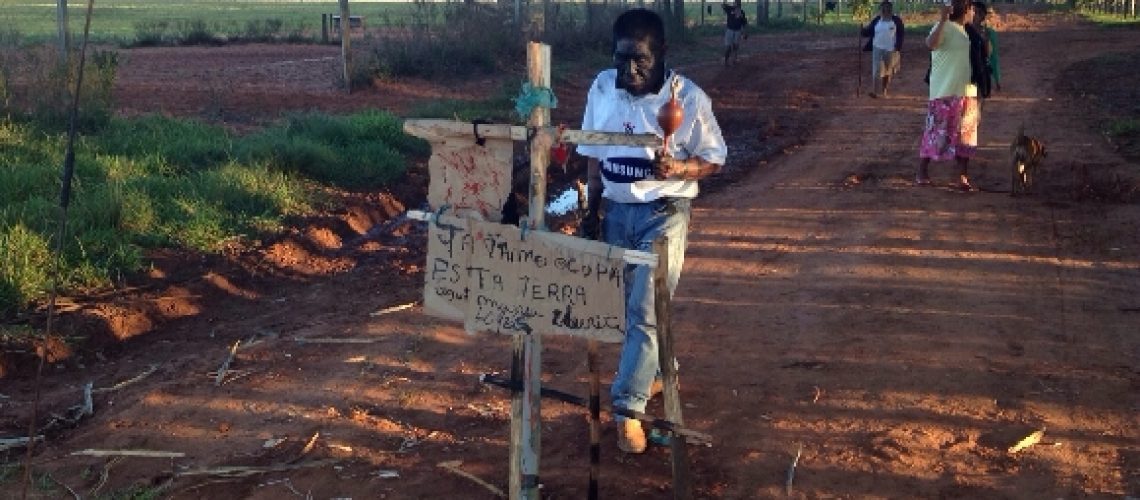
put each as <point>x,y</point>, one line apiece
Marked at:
<point>548,283</point>
<point>447,274</point>
<point>465,175</point>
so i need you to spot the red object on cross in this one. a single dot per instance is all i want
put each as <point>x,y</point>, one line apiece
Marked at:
<point>560,153</point>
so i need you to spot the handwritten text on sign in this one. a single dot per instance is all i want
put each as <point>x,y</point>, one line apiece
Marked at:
<point>448,269</point>
<point>549,282</point>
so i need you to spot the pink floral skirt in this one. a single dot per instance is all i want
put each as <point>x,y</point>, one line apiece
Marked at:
<point>951,128</point>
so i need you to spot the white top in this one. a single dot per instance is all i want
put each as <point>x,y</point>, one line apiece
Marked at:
<point>627,173</point>
<point>885,34</point>
<point>950,64</point>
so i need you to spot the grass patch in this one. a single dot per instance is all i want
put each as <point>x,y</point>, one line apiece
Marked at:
<point>360,151</point>
<point>1124,127</point>
<point>1107,83</point>
<point>161,182</point>
<point>137,492</point>
<point>496,109</point>
<point>131,22</point>
<point>1108,20</point>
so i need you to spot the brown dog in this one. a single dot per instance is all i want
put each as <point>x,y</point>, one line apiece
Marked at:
<point>1026,154</point>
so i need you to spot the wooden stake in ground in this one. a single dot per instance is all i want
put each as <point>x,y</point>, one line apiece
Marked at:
<point>668,364</point>
<point>526,356</point>
<point>595,418</point>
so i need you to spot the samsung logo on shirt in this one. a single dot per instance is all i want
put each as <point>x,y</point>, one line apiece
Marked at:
<point>625,170</point>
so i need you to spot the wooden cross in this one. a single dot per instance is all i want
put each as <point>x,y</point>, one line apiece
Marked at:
<point>526,356</point>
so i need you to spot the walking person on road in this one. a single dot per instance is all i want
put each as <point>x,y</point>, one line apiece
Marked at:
<point>989,40</point>
<point>884,42</point>
<point>953,112</point>
<point>736,24</point>
<point>638,194</point>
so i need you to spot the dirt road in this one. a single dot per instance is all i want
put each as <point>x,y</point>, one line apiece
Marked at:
<point>902,337</point>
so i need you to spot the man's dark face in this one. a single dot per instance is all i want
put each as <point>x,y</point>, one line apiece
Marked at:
<point>640,68</point>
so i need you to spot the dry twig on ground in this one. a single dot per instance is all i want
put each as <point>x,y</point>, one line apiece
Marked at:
<point>65,486</point>
<point>453,466</point>
<point>149,371</point>
<point>389,310</point>
<point>128,453</point>
<point>242,471</point>
<point>226,364</point>
<point>332,340</point>
<point>792,470</point>
<point>9,443</point>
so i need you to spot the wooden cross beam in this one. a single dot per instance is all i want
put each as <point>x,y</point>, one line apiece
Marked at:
<point>436,128</point>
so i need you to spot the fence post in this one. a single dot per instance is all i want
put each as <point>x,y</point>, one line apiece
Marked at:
<point>64,32</point>
<point>345,46</point>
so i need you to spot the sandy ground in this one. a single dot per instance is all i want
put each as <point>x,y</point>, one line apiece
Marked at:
<point>901,337</point>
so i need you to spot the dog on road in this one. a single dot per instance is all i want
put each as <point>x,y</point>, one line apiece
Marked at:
<point>1025,154</point>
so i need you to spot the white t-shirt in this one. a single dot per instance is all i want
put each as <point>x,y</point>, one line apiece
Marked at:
<point>627,173</point>
<point>950,64</point>
<point>885,34</point>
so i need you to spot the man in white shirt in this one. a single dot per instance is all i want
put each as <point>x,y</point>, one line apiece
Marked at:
<point>884,41</point>
<point>638,194</point>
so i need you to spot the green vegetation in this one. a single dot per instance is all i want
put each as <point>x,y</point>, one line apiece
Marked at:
<point>1106,86</point>
<point>498,109</point>
<point>359,151</point>
<point>1124,127</point>
<point>122,21</point>
<point>153,182</point>
<point>137,492</point>
<point>1109,20</point>
<point>1113,96</point>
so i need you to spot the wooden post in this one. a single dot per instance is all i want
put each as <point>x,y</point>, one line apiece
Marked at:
<point>679,16</point>
<point>595,418</point>
<point>668,362</point>
<point>345,47</point>
<point>545,26</point>
<point>325,28</point>
<point>526,415</point>
<point>64,32</point>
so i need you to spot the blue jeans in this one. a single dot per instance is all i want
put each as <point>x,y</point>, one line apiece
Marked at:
<point>635,226</point>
